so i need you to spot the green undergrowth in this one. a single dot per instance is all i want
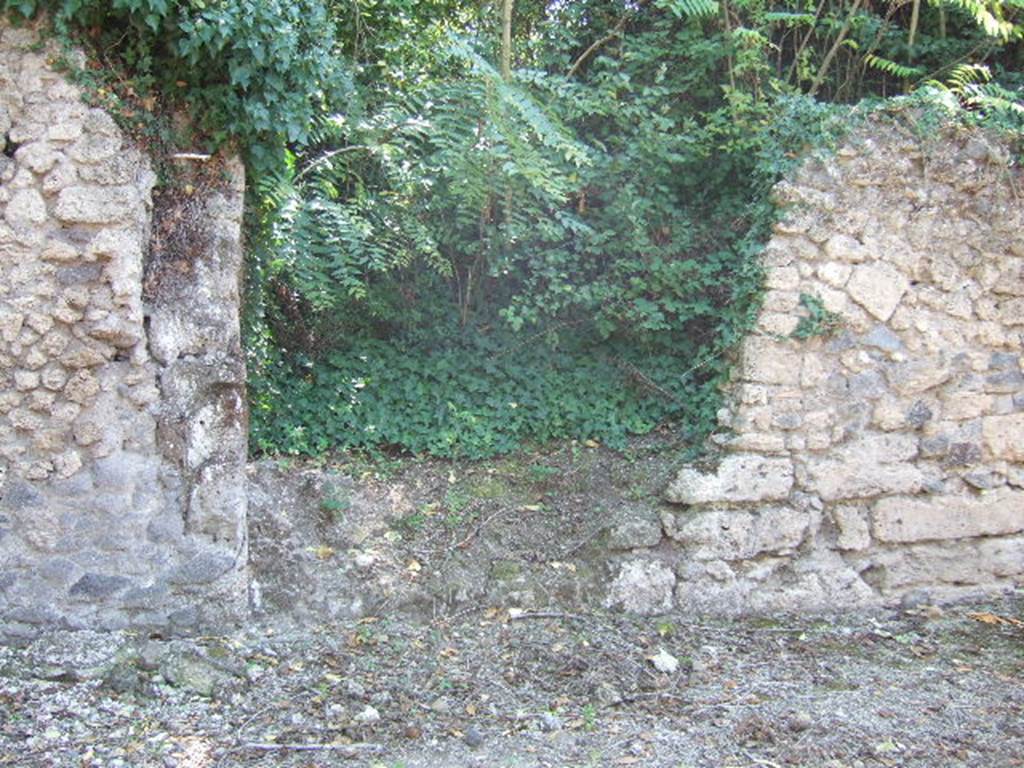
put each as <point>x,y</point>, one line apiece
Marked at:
<point>470,401</point>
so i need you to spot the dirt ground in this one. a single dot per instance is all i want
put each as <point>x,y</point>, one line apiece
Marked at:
<point>926,687</point>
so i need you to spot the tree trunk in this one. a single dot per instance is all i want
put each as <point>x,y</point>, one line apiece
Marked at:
<point>506,39</point>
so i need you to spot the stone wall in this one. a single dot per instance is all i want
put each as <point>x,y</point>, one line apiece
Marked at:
<point>877,451</point>
<point>872,447</point>
<point>122,412</point>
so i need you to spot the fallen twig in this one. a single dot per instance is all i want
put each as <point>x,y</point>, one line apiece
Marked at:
<point>546,615</point>
<point>345,750</point>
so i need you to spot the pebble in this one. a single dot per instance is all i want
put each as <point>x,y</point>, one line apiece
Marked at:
<point>799,721</point>
<point>664,662</point>
<point>473,737</point>
<point>550,722</point>
<point>355,689</point>
<point>441,706</point>
<point>608,695</point>
<point>367,716</point>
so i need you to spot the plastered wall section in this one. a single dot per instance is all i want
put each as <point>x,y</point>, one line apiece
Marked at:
<point>122,416</point>
<point>882,460</point>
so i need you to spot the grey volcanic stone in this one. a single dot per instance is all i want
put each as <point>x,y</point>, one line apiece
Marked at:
<point>98,585</point>
<point>19,495</point>
<point>203,568</point>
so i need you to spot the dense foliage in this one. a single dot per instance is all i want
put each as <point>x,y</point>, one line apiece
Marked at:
<point>256,72</point>
<point>477,224</point>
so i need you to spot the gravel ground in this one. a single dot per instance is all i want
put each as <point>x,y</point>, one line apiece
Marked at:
<point>922,687</point>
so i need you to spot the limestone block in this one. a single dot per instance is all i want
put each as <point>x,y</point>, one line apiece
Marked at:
<point>34,359</point>
<point>1003,557</point>
<point>63,175</point>
<point>26,208</point>
<point>783,279</point>
<point>740,535</point>
<point>634,529</point>
<point>39,322</point>
<point>81,355</point>
<point>777,324</point>
<point>96,121</point>
<point>877,287</point>
<point>813,372</point>
<point>8,401</point>
<point>59,251</point>
<point>10,324</point>
<point>76,296</point>
<point>739,477</point>
<point>116,245</point>
<point>82,387</point>
<point>845,248</point>
<point>25,381</point>
<point>869,466</point>
<point>966,405</point>
<point>752,394</point>
<point>96,205</point>
<point>1011,279</point>
<point>927,564</point>
<point>888,415</point>
<point>904,519</point>
<point>834,273</point>
<point>37,156</point>
<point>66,127</point>
<point>852,528</point>
<point>943,271</point>
<point>87,431</point>
<point>94,148</point>
<point>1011,312</point>
<point>918,375</point>
<point>1004,436</point>
<point>757,442</point>
<point>119,169</point>
<point>767,361</point>
<point>217,504</point>
<point>800,247</point>
<point>117,331</point>
<point>645,587</point>
<point>781,301</point>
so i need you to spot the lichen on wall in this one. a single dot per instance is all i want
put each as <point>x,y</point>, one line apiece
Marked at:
<point>873,443</point>
<point>122,418</point>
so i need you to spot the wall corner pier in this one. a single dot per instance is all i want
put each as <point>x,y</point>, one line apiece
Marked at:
<point>883,458</point>
<point>122,404</point>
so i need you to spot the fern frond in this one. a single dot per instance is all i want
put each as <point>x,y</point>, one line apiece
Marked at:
<point>893,68</point>
<point>994,100</point>
<point>964,75</point>
<point>689,9</point>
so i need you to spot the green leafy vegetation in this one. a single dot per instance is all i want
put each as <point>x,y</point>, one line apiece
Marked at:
<point>475,225</point>
<point>257,73</point>
<point>818,321</point>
